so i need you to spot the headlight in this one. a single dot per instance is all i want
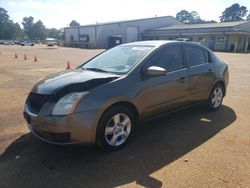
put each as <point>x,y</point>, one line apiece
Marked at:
<point>68,103</point>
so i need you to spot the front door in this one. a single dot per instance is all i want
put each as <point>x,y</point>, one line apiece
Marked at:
<point>163,93</point>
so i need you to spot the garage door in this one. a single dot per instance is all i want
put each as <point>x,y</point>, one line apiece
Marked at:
<point>132,34</point>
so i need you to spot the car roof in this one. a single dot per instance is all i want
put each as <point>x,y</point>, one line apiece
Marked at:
<point>158,43</point>
<point>154,43</point>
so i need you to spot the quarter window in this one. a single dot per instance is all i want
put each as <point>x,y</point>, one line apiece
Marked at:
<point>169,58</point>
<point>207,56</point>
<point>195,56</point>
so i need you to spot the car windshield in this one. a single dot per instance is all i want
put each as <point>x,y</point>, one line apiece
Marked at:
<point>118,60</point>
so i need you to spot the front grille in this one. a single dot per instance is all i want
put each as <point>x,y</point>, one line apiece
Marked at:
<point>36,101</point>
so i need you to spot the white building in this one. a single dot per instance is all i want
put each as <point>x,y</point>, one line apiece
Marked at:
<point>106,35</point>
<point>226,36</point>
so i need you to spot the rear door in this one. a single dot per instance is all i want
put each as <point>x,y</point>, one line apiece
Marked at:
<point>164,93</point>
<point>200,72</point>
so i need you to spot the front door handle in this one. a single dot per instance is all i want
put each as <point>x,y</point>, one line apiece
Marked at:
<point>182,79</point>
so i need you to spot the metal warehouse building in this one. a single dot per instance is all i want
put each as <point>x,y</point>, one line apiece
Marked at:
<point>106,35</point>
<point>229,36</point>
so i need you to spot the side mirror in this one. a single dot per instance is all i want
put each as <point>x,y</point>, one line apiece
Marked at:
<point>156,71</point>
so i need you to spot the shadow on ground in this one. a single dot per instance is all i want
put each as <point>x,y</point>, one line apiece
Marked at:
<point>155,145</point>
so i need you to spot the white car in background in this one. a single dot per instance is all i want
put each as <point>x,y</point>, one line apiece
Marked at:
<point>27,43</point>
<point>183,39</point>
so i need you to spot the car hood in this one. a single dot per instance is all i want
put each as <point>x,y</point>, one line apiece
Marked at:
<point>72,81</point>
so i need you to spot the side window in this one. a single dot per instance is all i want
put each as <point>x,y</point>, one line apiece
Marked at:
<point>207,56</point>
<point>169,58</point>
<point>195,56</point>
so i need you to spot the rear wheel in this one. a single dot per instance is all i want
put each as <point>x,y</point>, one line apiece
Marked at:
<point>216,97</point>
<point>115,128</point>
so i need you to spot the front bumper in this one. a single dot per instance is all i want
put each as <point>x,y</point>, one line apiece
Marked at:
<point>63,130</point>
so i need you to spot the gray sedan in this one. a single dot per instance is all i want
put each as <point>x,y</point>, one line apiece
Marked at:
<point>101,101</point>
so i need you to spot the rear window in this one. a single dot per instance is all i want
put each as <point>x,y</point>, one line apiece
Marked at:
<point>195,56</point>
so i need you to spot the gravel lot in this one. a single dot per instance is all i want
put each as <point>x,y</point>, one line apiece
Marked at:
<point>190,148</point>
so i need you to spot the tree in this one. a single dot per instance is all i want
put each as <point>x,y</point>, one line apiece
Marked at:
<point>189,17</point>
<point>211,21</point>
<point>8,29</point>
<point>184,16</point>
<point>74,23</point>
<point>55,33</point>
<point>4,17</point>
<point>31,29</point>
<point>195,18</point>
<point>248,17</point>
<point>39,30</point>
<point>28,23</point>
<point>233,13</point>
<point>34,30</point>
<point>15,31</point>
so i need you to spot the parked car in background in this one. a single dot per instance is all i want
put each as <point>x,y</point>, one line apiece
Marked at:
<point>27,43</point>
<point>7,42</point>
<point>51,42</point>
<point>17,42</point>
<point>101,101</point>
<point>183,39</point>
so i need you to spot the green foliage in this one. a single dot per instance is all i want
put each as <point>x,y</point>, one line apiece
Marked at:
<point>211,21</point>
<point>233,13</point>
<point>4,17</point>
<point>248,17</point>
<point>8,29</point>
<point>74,23</point>
<point>39,30</point>
<point>191,17</point>
<point>55,33</point>
<point>34,30</point>
<point>28,23</point>
<point>184,16</point>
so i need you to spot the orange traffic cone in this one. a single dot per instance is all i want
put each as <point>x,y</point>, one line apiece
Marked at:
<point>24,57</point>
<point>68,66</point>
<point>35,59</point>
<point>16,56</point>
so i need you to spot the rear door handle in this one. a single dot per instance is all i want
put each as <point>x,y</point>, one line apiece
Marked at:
<point>182,79</point>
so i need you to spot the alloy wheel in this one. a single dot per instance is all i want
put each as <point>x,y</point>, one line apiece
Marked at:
<point>217,97</point>
<point>118,129</point>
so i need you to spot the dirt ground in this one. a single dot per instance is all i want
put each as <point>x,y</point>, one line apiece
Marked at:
<point>190,148</point>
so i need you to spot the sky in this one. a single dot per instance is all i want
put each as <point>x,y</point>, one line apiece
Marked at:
<point>59,13</point>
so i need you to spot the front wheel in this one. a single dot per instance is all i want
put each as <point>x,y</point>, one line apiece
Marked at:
<point>216,97</point>
<point>115,127</point>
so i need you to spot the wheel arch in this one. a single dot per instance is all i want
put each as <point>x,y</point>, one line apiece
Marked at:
<point>222,82</point>
<point>125,104</point>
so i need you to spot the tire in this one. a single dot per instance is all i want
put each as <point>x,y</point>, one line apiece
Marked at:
<point>215,97</point>
<point>115,128</point>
